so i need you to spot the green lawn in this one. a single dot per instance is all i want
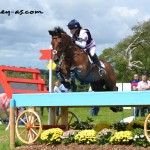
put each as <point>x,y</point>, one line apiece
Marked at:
<point>105,115</point>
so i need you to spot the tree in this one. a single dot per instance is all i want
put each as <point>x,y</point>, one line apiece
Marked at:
<point>131,54</point>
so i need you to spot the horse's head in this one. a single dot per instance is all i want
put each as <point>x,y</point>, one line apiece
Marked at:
<point>58,43</point>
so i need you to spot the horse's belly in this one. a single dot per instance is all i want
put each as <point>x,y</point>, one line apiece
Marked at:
<point>92,76</point>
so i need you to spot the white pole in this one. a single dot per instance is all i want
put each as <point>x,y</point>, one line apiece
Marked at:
<point>50,76</point>
<point>51,111</point>
<point>50,87</point>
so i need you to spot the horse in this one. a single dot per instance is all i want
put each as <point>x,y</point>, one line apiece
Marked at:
<point>73,62</point>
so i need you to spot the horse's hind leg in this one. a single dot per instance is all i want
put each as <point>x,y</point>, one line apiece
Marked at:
<point>114,88</point>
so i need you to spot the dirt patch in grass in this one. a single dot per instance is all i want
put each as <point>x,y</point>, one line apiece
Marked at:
<point>75,146</point>
<point>3,138</point>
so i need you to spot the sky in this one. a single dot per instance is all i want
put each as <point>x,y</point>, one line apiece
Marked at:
<point>24,31</point>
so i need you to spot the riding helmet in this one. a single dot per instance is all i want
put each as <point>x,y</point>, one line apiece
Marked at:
<point>73,24</point>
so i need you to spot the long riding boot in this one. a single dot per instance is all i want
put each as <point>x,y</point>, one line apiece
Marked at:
<point>97,62</point>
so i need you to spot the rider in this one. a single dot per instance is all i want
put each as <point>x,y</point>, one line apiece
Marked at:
<point>83,39</point>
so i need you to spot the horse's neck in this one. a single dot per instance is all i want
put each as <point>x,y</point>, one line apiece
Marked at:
<point>77,56</point>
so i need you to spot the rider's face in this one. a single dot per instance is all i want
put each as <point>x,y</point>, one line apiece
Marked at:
<point>72,31</point>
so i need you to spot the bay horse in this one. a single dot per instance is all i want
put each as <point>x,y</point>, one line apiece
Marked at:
<point>74,63</point>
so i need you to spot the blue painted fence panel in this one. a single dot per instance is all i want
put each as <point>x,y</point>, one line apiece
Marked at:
<point>78,99</point>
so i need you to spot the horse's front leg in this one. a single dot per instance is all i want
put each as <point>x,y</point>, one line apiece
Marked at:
<point>59,74</point>
<point>68,72</point>
<point>62,70</point>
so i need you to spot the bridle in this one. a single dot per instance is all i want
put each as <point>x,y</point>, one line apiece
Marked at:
<point>55,52</point>
<point>63,50</point>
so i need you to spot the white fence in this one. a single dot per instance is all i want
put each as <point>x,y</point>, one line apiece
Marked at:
<point>124,86</point>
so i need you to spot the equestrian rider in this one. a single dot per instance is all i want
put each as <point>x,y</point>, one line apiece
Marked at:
<point>83,39</point>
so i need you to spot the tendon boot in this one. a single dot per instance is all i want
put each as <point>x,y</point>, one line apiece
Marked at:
<point>59,74</point>
<point>96,61</point>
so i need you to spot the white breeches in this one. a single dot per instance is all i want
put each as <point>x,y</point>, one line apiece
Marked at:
<point>91,50</point>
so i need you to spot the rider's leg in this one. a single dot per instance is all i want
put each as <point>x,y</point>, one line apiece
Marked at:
<point>96,61</point>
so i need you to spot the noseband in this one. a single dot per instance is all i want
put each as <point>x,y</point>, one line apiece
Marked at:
<point>55,52</point>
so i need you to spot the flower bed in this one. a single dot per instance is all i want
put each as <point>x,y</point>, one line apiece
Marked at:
<point>99,135</point>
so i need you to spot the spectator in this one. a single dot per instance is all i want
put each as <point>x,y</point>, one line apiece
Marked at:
<point>134,84</point>
<point>93,110</point>
<point>59,89</point>
<point>144,85</point>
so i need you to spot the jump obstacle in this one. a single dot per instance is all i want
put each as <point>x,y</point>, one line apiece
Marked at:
<point>7,82</point>
<point>78,99</point>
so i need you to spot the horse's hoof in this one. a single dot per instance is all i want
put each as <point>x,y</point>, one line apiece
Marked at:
<point>114,109</point>
<point>120,109</point>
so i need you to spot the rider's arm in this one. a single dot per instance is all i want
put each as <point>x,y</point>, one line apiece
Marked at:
<point>81,42</point>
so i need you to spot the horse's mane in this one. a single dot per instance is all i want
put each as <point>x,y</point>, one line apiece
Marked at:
<point>59,30</point>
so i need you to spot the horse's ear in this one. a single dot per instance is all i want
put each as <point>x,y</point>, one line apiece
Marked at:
<point>51,32</point>
<point>54,33</point>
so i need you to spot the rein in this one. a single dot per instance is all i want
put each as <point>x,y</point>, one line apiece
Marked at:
<point>64,51</point>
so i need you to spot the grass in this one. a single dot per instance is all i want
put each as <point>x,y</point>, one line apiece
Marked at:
<point>4,138</point>
<point>104,115</point>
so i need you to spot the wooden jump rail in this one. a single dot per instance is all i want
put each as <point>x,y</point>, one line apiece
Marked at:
<point>36,80</point>
<point>78,99</point>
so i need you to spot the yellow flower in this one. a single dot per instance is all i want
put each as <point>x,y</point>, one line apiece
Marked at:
<point>52,136</point>
<point>122,137</point>
<point>86,137</point>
